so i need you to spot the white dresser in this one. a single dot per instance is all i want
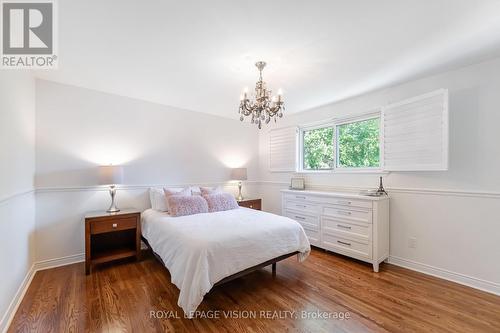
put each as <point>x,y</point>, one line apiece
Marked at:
<point>350,224</point>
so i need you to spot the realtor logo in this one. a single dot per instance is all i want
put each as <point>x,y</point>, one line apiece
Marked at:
<point>28,34</point>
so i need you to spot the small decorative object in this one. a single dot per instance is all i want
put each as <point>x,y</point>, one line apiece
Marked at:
<point>111,175</point>
<point>297,184</point>
<point>264,107</point>
<point>239,174</point>
<point>381,190</point>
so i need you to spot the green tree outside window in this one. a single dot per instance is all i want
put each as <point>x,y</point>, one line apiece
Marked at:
<point>358,144</point>
<point>318,149</point>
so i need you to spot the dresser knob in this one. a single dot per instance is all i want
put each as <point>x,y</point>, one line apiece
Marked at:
<point>115,225</point>
<point>251,206</point>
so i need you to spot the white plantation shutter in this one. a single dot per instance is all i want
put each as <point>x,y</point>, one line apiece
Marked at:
<point>282,149</point>
<point>416,133</point>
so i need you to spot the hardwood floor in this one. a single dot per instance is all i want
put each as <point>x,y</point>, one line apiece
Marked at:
<point>121,298</point>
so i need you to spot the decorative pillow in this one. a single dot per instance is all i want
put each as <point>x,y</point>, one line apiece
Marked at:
<point>180,205</point>
<point>170,191</point>
<point>220,201</point>
<point>210,190</point>
<point>158,200</point>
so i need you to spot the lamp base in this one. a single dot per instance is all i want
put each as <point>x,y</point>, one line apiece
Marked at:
<point>112,208</point>
<point>239,197</point>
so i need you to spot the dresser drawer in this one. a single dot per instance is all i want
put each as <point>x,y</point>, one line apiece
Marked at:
<point>347,246</point>
<point>308,222</point>
<point>348,214</point>
<point>304,207</point>
<point>349,202</point>
<point>347,228</point>
<point>102,226</point>
<point>313,236</point>
<point>298,197</point>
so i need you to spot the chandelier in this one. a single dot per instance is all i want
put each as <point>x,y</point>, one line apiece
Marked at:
<point>264,107</point>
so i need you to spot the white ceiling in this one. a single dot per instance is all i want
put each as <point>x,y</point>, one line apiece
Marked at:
<point>198,55</point>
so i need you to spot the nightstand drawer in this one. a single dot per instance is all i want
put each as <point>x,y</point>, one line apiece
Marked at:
<point>252,203</point>
<point>99,227</point>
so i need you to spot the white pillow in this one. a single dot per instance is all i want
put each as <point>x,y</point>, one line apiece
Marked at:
<point>158,200</point>
<point>211,190</point>
<point>195,190</point>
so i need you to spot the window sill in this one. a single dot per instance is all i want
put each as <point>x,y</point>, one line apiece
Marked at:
<point>315,171</point>
<point>376,171</point>
<point>344,171</point>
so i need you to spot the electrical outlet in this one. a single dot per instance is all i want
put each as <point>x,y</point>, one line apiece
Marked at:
<point>412,242</point>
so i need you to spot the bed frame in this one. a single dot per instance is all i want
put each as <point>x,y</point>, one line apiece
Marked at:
<point>236,275</point>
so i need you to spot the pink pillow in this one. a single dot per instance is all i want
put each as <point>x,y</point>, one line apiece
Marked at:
<point>175,191</point>
<point>210,190</point>
<point>220,201</point>
<point>180,205</point>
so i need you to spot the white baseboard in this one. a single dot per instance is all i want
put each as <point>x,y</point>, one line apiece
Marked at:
<point>56,262</point>
<point>16,301</point>
<point>490,287</point>
<point>37,266</point>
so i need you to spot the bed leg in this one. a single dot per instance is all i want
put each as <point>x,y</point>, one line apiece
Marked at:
<point>274,269</point>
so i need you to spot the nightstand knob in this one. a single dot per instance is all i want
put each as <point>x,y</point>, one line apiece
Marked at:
<point>251,206</point>
<point>115,225</point>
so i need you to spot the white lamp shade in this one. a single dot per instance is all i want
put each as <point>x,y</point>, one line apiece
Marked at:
<point>110,174</point>
<point>239,174</point>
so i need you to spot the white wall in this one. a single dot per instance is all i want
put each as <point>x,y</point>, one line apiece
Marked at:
<point>17,169</point>
<point>453,214</point>
<point>79,129</point>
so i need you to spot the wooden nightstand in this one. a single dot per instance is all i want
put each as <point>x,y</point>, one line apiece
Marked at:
<point>111,236</point>
<point>251,203</point>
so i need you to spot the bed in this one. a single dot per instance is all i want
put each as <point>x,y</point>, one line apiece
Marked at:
<point>204,250</point>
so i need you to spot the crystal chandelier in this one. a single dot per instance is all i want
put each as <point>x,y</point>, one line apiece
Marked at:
<point>265,107</point>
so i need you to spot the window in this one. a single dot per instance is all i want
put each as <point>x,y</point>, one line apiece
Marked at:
<point>317,148</point>
<point>341,145</point>
<point>408,135</point>
<point>358,144</point>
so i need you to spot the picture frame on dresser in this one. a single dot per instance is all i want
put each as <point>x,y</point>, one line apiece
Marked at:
<point>353,225</point>
<point>297,183</point>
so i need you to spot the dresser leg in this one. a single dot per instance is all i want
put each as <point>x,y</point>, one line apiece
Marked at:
<point>274,269</point>
<point>375,267</point>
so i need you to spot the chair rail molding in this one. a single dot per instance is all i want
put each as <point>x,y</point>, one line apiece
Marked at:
<point>409,190</point>
<point>9,197</point>
<point>135,186</point>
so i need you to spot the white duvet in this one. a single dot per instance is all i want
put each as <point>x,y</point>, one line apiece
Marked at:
<point>200,250</point>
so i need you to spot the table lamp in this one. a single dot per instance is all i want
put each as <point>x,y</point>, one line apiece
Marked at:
<point>239,174</point>
<point>111,175</point>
